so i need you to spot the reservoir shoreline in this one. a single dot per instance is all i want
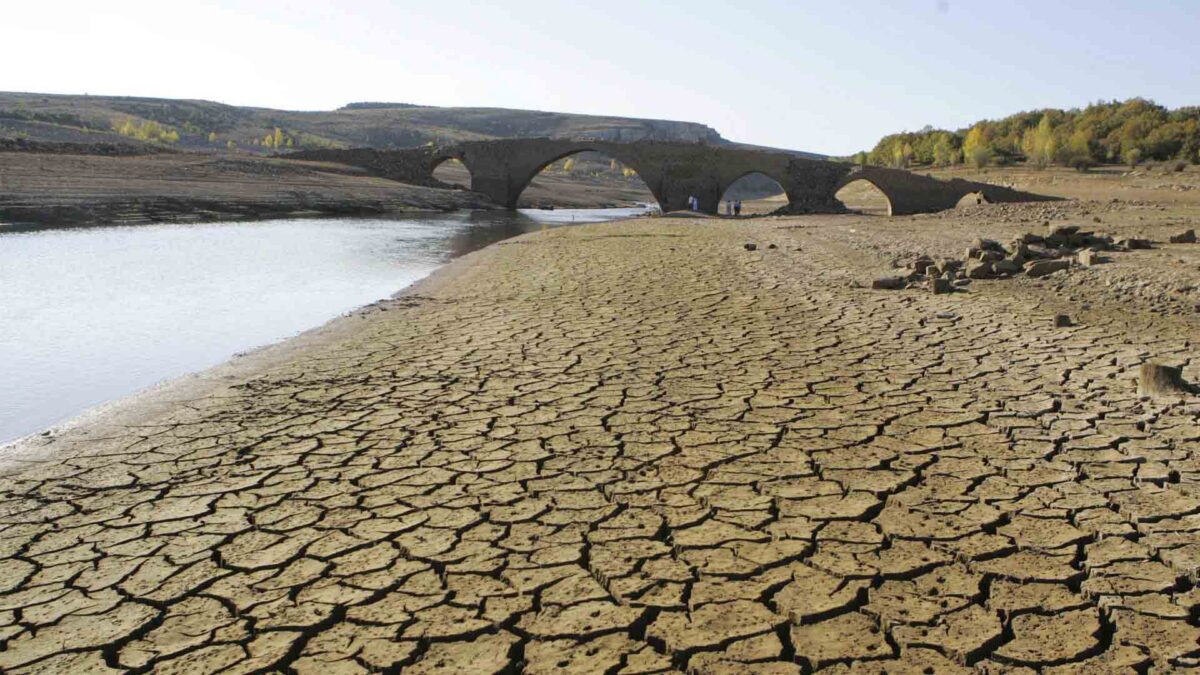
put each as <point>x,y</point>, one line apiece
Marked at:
<point>422,244</point>
<point>144,407</point>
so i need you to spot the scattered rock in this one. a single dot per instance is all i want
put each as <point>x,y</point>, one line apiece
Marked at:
<point>1159,380</point>
<point>1005,267</point>
<point>980,270</point>
<point>1130,244</point>
<point>1041,268</point>
<point>1062,321</point>
<point>889,283</point>
<point>1188,237</point>
<point>989,245</point>
<point>750,247</point>
<point>922,264</point>
<point>772,246</point>
<point>941,286</point>
<point>1087,257</point>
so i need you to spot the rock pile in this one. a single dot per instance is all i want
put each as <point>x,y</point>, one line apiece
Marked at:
<point>1030,254</point>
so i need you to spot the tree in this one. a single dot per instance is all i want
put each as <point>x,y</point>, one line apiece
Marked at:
<point>1132,157</point>
<point>944,150</point>
<point>277,139</point>
<point>212,137</point>
<point>569,165</point>
<point>975,148</point>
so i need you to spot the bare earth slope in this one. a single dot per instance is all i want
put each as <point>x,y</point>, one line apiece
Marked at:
<point>63,189</point>
<point>638,447</point>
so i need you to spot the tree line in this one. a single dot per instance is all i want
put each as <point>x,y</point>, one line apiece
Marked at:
<point>1104,132</point>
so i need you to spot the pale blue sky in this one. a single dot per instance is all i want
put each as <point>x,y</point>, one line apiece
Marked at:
<point>827,76</point>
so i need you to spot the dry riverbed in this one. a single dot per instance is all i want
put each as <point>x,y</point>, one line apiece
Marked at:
<point>639,447</point>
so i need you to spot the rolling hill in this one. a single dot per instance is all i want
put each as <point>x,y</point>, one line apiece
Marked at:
<point>206,125</point>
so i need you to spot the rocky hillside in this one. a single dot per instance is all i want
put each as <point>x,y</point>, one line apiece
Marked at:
<point>206,125</point>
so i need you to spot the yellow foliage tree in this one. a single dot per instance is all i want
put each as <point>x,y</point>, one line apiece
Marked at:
<point>569,165</point>
<point>147,130</point>
<point>975,147</point>
<point>212,137</point>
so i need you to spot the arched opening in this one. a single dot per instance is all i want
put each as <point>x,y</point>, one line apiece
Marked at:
<point>586,179</point>
<point>861,196</point>
<point>452,171</point>
<point>973,199</point>
<point>758,193</point>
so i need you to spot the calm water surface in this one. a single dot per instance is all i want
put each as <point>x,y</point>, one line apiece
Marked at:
<point>91,315</point>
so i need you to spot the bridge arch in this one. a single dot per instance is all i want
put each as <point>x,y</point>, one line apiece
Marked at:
<point>860,193</point>
<point>750,185</point>
<point>449,169</point>
<point>523,179</point>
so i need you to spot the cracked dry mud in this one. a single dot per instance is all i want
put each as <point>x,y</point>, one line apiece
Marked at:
<point>636,448</point>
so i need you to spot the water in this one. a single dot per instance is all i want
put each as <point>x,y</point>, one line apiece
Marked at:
<point>94,314</point>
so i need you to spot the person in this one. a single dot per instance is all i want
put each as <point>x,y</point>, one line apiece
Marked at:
<point>729,207</point>
<point>693,203</point>
<point>737,208</point>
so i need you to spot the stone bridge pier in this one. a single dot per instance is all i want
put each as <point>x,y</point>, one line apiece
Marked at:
<point>502,169</point>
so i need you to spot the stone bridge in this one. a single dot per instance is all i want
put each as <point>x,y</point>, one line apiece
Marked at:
<point>674,171</point>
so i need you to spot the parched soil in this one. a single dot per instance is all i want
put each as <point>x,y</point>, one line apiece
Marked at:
<point>640,447</point>
<point>56,189</point>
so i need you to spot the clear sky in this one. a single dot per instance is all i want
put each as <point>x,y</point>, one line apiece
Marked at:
<point>829,76</point>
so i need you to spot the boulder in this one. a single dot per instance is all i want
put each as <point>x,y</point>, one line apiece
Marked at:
<point>1041,268</point>
<point>1006,267</point>
<point>888,283</point>
<point>1188,237</point>
<point>980,269</point>
<point>1063,231</point>
<point>1130,244</point>
<point>941,286</point>
<point>1159,380</point>
<point>1087,257</point>
<point>1062,321</point>
<point>750,247</point>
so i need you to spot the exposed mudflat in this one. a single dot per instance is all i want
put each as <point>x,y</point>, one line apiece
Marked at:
<point>56,190</point>
<point>638,447</point>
